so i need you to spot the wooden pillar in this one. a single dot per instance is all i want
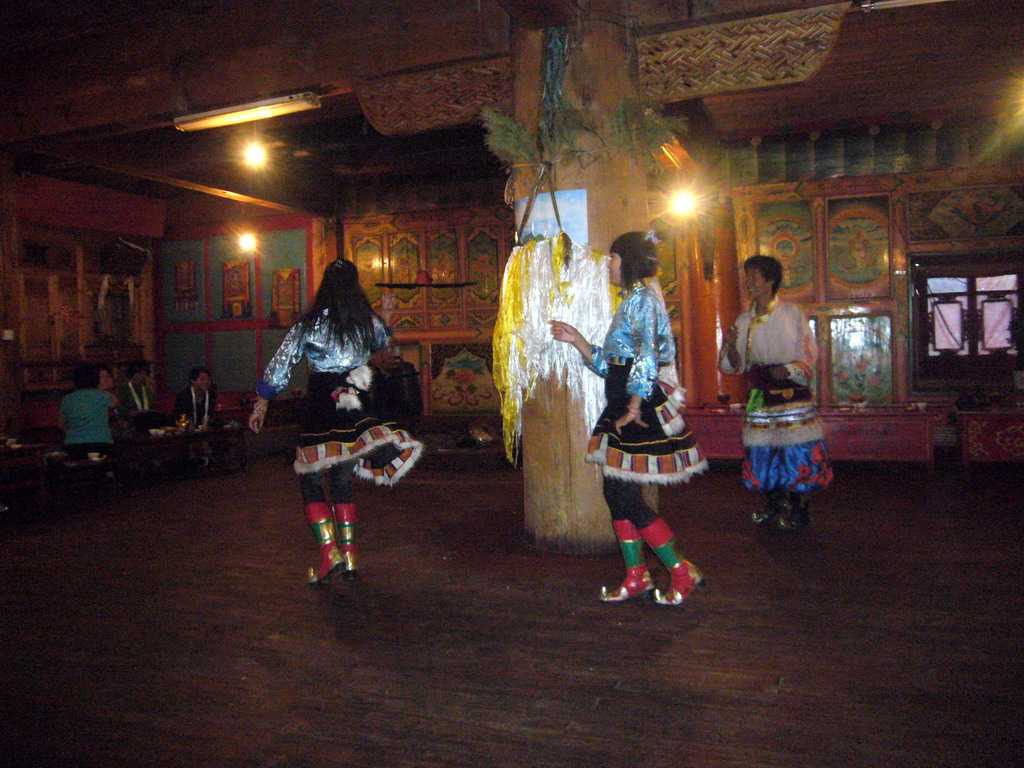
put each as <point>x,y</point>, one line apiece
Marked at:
<point>725,295</point>
<point>564,504</point>
<point>10,389</point>
<point>686,254</point>
<point>710,302</point>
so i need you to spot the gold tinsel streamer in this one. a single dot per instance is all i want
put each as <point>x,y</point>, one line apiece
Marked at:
<point>507,346</point>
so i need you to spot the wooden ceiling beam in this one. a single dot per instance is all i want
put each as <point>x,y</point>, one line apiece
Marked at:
<point>947,60</point>
<point>143,71</point>
<point>538,14</point>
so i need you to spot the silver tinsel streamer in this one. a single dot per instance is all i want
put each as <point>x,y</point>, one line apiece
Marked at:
<point>581,296</point>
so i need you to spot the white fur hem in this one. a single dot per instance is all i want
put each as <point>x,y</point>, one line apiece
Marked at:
<point>647,479</point>
<point>347,398</point>
<point>382,479</point>
<point>807,433</point>
<point>670,414</point>
<point>348,401</point>
<point>361,377</point>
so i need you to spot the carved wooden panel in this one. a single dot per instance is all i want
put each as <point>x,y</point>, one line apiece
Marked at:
<point>439,98</point>
<point>738,55</point>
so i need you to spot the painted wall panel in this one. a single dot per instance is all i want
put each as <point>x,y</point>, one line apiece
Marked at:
<point>281,252</point>
<point>184,352</point>
<point>233,359</point>
<point>183,281</point>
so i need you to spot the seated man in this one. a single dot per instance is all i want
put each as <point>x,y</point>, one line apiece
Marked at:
<point>135,401</point>
<point>198,401</point>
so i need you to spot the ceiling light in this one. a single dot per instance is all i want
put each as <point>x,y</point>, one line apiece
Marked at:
<point>683,203</point>
<point>255,155</point>
<point>880,5</point>
<point>243,113</point>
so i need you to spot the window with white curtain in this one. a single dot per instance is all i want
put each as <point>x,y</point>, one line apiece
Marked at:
<point>963,310</point>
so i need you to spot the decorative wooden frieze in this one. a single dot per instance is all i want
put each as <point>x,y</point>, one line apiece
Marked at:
<point>684,64</point>
<point>738,55</point>
<point>437,98</point>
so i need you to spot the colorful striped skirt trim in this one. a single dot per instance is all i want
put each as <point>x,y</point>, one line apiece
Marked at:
<point>677,466</point>
<point>661,450</point>
<point>383,452</point>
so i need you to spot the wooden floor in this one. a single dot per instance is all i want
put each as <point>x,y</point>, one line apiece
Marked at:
<point>171,626</point>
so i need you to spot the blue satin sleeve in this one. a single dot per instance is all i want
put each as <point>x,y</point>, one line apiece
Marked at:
<point>643,330</point>
<point>598,362</point>
<point>381,334</point>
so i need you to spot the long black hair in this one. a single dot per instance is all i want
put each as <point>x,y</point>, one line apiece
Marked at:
<point>639,257</point>
<point>341,300</point>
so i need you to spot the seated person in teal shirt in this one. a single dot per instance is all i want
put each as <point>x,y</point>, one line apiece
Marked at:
<point>85,415</point>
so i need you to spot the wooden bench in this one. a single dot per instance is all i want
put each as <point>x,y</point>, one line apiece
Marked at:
<point>991,436</point>
<point>21,472</point>
<point>870,434</point>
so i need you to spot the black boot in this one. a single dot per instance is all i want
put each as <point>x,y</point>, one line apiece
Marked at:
<point>798,517</point>
<point>777,503</point>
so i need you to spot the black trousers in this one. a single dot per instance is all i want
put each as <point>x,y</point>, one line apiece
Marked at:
<point>626,501</point>
<point>339,476</point>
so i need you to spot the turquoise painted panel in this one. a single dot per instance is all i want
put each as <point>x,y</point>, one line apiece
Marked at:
<point>233,359</point>
<point>862,359</point>
<point>239,303</point>
<point>184,352</point>
<point>282,249</point>
<point>272,338</point>
<point>183,281</point>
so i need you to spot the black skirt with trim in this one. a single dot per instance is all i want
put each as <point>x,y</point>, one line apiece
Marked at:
<point>330,435</point>
<point>663,452</point>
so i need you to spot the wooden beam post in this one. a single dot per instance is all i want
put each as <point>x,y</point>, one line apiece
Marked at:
<point>565,507</point>
<point>10,384</point>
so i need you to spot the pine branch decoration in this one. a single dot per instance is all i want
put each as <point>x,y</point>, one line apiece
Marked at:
<point>509,139</point>
<point>637,125</point>
<point>567,124</point>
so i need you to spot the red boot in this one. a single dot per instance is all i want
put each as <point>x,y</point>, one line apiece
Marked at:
<point>638,579</point>
<point>318,514</point>
<point>685,575</point>
<point>345,522</point>
<point>685,578</point>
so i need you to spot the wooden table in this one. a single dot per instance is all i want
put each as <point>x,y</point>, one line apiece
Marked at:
<point>67,481</point>
<point>991,436</point>
<point>869,434</point>
<point>21,469</point>
<point>143,450</point>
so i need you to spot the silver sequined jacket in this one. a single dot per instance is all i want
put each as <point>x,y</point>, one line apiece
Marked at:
<point>325,352</point>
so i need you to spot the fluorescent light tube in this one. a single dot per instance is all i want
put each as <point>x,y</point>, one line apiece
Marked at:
<point>244,113</point>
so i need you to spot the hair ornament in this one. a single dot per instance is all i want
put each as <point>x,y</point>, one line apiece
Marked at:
<point>654,237</point>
